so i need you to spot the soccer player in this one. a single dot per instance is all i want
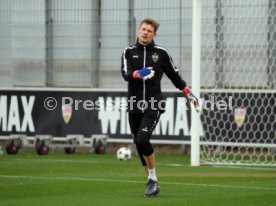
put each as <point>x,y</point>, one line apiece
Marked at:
<point>143,65</point>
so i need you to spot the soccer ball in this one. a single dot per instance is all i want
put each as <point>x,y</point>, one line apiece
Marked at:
<point>124,153</point>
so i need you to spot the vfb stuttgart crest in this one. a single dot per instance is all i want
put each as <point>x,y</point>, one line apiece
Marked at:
<point>239,116</point>
<point>155,57</point>
<point>66,113</point>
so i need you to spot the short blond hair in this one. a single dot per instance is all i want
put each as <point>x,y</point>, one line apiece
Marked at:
<point>152,22</point>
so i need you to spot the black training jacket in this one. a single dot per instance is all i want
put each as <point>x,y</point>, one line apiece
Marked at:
<point>139,56</point>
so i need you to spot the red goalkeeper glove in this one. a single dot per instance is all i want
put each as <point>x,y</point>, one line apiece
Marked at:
<point>192,98</point>
<point>144,73</point>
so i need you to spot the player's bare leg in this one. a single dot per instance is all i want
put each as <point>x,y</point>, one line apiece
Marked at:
<point>150,160</point>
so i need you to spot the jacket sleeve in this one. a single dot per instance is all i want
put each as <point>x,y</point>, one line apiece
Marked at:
<point>126,66</point>
<point>172,71</point>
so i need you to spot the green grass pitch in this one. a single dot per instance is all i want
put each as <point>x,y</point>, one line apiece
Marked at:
<point>89,179</point>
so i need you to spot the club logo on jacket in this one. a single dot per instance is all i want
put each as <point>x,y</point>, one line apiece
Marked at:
<point>155,57</point>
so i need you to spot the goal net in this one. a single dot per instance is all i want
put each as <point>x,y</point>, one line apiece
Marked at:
<point>237,82</point>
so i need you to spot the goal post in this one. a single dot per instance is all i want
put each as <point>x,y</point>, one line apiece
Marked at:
<point>196,31</point>
<point>237,78</point>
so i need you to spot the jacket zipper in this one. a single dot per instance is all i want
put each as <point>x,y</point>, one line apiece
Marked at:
<point>144,83</point>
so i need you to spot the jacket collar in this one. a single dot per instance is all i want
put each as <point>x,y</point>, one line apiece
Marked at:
<point>148,46</point>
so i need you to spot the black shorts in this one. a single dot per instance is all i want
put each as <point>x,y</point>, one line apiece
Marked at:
<point>143,123</point>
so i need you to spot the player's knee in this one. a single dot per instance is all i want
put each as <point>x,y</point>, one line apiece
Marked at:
<point>143,142</point>
<point>148,150</point>
<point>142,139</point>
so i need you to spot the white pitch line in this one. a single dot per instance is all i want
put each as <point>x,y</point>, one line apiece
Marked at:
<point>68,178</point>
<point>133,181</point>
<point>221,186</point>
